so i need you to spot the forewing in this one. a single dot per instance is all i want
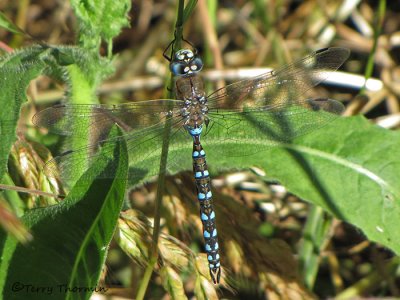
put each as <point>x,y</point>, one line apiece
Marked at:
<point>280,88</point>
<point>79,119</point>
<point>144,147</point>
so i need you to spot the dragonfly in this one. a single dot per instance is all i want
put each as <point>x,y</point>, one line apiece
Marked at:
<point>273,107</point>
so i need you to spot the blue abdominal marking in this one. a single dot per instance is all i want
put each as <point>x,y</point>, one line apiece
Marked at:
<point>195,131</point>
<point>203,184</point>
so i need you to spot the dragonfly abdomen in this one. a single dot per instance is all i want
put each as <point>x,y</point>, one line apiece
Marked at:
<point>204,195</point>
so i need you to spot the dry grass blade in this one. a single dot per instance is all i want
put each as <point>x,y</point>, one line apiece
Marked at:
<point>172,283</point>
<point>26,162</point>
<point>11,224</point>
<point>134,237</point>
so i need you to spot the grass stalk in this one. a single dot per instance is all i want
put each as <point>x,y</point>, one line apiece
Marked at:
<point>378,29</point>
<point>153,257</point>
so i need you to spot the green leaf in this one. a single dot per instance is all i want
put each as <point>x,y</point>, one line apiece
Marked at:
<point>9,25</point>
<point>20,67</point>
<point>349,167</point>
<point>100,19</point>
<point>16,71</point>
<point>70,239</point>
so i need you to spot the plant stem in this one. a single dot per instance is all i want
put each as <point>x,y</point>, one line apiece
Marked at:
<point>315,236</point>
<point>29,191</point>
<point>378,28</point>
<point>162,171</point>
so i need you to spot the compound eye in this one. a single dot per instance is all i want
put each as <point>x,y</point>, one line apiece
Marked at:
<point>196,65</point>
<point>184,55</point>
<point>178,69</point>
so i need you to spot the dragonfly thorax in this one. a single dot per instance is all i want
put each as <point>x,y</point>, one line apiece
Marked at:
<point>195,108</point>
<point>194,112</point>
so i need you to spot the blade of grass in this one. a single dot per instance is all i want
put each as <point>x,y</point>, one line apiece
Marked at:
<point>163,164</point>
<point>378,28</point>
<point>9,25</point>
<point>314,236</point>
<point>188,10</point>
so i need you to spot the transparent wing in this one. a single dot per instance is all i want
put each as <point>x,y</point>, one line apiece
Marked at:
<point>256,130</point>
<point>275,106</point>
<point>272,107</point>
<point>79,119</point>
<point>281,88</point>
<point>144,147</point>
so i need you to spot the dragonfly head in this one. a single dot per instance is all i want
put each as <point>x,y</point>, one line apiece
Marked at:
<point>185,63</point>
